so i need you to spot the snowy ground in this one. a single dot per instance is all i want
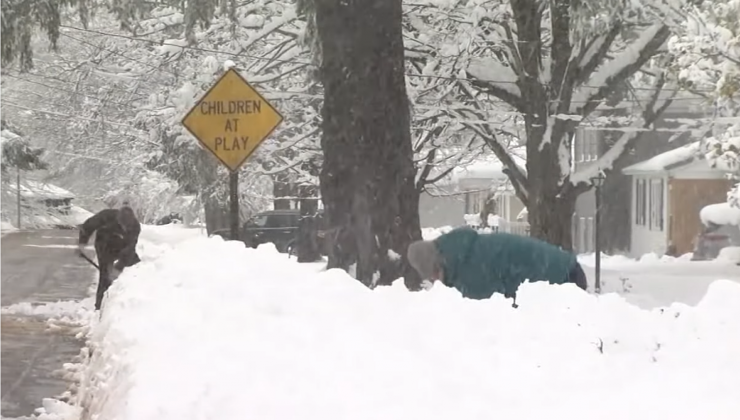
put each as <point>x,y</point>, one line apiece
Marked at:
<point>6,227</point>
<point>652,282</point>
<point>48,219</point>
<point>205,329</point>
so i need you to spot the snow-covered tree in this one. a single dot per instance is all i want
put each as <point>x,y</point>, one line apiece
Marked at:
<point>22,18</point>
<point>18,153</point>
<point>261,39</point>
<point>552,66</point>
<point>707,46</point>
<point>143,79</point>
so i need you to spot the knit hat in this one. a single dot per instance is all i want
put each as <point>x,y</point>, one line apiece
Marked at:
<point>425,258</point>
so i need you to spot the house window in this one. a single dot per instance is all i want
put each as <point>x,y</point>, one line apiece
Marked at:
<point>656,204</point>
<point>640,202</point>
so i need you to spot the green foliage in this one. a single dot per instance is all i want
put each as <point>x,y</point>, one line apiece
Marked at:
<point>20,18</point>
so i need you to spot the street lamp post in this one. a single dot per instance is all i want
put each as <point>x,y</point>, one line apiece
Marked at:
<point>597,182</point>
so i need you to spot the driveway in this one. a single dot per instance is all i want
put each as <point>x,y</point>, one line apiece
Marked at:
<point>37,267</point>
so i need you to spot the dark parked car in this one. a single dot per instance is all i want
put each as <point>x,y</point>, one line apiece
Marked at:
<point>279,227</point>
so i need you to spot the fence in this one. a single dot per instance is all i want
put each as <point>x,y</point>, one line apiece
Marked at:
<point>504,226</point>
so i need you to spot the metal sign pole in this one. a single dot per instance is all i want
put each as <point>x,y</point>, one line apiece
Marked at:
<point>234,209</point>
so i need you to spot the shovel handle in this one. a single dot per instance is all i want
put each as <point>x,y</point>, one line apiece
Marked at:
<point>86,258</point>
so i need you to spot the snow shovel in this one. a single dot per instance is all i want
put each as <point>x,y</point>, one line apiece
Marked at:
<point>88,259</point>
<point>85,257</point>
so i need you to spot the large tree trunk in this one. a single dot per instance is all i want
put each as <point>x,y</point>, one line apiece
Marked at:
<point>550,205</point>
<point>366,137</point>
<point>406,230</point>
<point>551,219</point>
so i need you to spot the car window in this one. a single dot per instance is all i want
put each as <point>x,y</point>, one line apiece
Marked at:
<point>259,221</point>
<point>282,220</point>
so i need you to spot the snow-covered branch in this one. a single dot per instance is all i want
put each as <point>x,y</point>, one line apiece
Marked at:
<point>655,107</point>
<point>492,77</point>
<point>605,80</point>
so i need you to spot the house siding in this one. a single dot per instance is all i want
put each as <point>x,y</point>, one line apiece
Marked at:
<point>616,211</point>
<point>688,197</point>
<point>450,209</point>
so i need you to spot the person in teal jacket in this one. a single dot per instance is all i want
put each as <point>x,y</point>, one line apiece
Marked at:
<point>479,265</point>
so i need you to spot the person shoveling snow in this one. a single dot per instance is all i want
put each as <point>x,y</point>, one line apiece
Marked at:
<point>479,265</point>
<point>115,244</point>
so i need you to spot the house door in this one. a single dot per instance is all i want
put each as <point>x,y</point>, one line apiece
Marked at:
<point>687,197</point>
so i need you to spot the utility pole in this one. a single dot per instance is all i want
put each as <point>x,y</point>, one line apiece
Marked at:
<point>18,195</point>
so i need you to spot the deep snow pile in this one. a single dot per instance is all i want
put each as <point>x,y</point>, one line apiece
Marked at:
<point>213,330</point>
<point>720,214</point>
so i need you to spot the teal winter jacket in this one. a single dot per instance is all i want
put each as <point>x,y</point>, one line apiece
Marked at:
<point>479,265</point>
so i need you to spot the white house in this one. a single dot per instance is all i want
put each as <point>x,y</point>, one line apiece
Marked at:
<point>465,192</point>
<point>668,193</point>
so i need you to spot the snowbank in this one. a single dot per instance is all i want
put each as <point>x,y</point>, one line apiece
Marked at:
<point>71,311</point>
<point>720,214</point>
<point>432,233</point>
<point>212,329</point>
<point>6,227</point>
<point>730,253</point>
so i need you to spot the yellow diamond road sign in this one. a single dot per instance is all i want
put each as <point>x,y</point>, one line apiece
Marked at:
<point>232,119</point>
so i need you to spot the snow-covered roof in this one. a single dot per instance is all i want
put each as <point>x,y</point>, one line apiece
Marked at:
<point>39,190</point>
<point>720,214</point>
<point>493,170</point>
<point>667,161</point>
<point>488,169</point>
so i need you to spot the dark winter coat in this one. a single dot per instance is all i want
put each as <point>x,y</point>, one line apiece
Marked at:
<point>117,233</point>
<point>479,265</point>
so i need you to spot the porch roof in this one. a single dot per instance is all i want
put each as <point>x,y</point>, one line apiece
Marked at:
<point>667,161</point>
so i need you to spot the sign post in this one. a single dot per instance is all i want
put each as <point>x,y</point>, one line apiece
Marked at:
<point>231,120</point>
